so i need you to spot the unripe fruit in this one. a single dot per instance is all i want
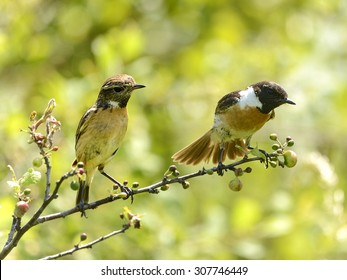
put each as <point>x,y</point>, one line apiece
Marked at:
<point>290,143</point>
<point>37,162</point>
<point>273,136</point>
<point>185,184</point>
<point>74,185</point>
<point>209,171</point>
<point>83,236</point>
<point>165,187</point>
<point>235,184</point>
<point>21,208</point>
<point>275,146</point>
<point>290,158</point>
<point>27,191</point>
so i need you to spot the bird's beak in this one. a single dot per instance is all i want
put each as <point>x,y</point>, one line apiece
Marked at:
<point>288,101</point>
<point>137,86</point>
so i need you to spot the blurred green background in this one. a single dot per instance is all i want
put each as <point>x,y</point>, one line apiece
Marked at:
<point>188,54</point>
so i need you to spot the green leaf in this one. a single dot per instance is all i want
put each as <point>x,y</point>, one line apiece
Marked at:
<point>255,151</point>
<point>30,177</point>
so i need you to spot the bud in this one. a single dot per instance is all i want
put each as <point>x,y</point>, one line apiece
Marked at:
<point>33,116</point>
<point>27,191</point>
<point>136,223</point>
<point>238,172</point>
<point>165,187</point>
<point>80,164</point>
<point>176,173</point>
<point>83,236</point>
<point>21,208</point>
<point>273,163</point>
<point>136,185</point>
<point>288,138</point>
<point>248,170</point>
<point>172,168</point>
<point>80,171</point>
<point>290,143</point>
<point>121,215</point>
<point>209,172</point>
<point>290,158</point>
<point>275,146</point>
<point>125,182</point>
<point>235,184</point>
<point>273,136</point>
<point>55,148</point>
<point>185,184</point>
<point>122,195</point>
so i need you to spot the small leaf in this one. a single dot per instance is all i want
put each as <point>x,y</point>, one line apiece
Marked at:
<point>256,152</point>
<point>13,184</point>
<point>30,177</point>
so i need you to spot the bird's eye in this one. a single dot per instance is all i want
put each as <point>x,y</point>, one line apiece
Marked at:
<point>117,89</point>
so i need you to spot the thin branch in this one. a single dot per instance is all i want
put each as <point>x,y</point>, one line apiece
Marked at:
<point>88,245</point>
<point>33,221</point>
<point>148,189</point>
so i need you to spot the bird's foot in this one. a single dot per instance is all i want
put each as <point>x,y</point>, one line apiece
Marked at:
<point>128,191</point>
<point>220,168</point>
<point>82,209</point>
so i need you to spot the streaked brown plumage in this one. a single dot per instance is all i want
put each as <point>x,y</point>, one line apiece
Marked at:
<point>102,129</point>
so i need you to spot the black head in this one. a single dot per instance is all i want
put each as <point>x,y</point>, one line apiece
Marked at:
<point>271,95</point>
<point>116,91</point>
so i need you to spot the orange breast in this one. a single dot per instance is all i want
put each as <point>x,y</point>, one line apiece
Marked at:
<point>236,123</point>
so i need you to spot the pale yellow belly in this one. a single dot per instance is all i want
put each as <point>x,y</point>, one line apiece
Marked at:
<point>103,136</point>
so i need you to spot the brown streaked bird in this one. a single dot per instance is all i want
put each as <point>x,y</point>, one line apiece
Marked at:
<point>102,129</point>
<point>238,116</point>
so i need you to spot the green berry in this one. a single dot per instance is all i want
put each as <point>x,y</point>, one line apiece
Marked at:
<point>273,136</point>
<point>209,171</point>
<point>165,187</point>
<point>290,158</point>
<point>37,162</point>
<point>290,143</point>
<point>27,191</point>
<point>83,236</point>
<point>74,185</point>
<point>185,184</point>
<point>275,146</point>
<point>235,184</point>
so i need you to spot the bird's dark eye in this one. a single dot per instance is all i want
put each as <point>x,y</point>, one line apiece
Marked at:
<point>117,89</point>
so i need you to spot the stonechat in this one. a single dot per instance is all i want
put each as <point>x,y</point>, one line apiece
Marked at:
<point>102,129</point>
<point>238,116</point>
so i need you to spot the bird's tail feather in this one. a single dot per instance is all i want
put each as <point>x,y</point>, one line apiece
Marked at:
<point>203,149</point>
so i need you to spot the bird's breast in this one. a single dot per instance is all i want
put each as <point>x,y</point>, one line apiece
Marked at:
<point>103,136</point>
<point>239,123</point>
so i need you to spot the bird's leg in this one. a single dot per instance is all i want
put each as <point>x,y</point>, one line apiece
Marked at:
<point>220,165</point>
<point>123,188</point>
<point>81,202</point>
